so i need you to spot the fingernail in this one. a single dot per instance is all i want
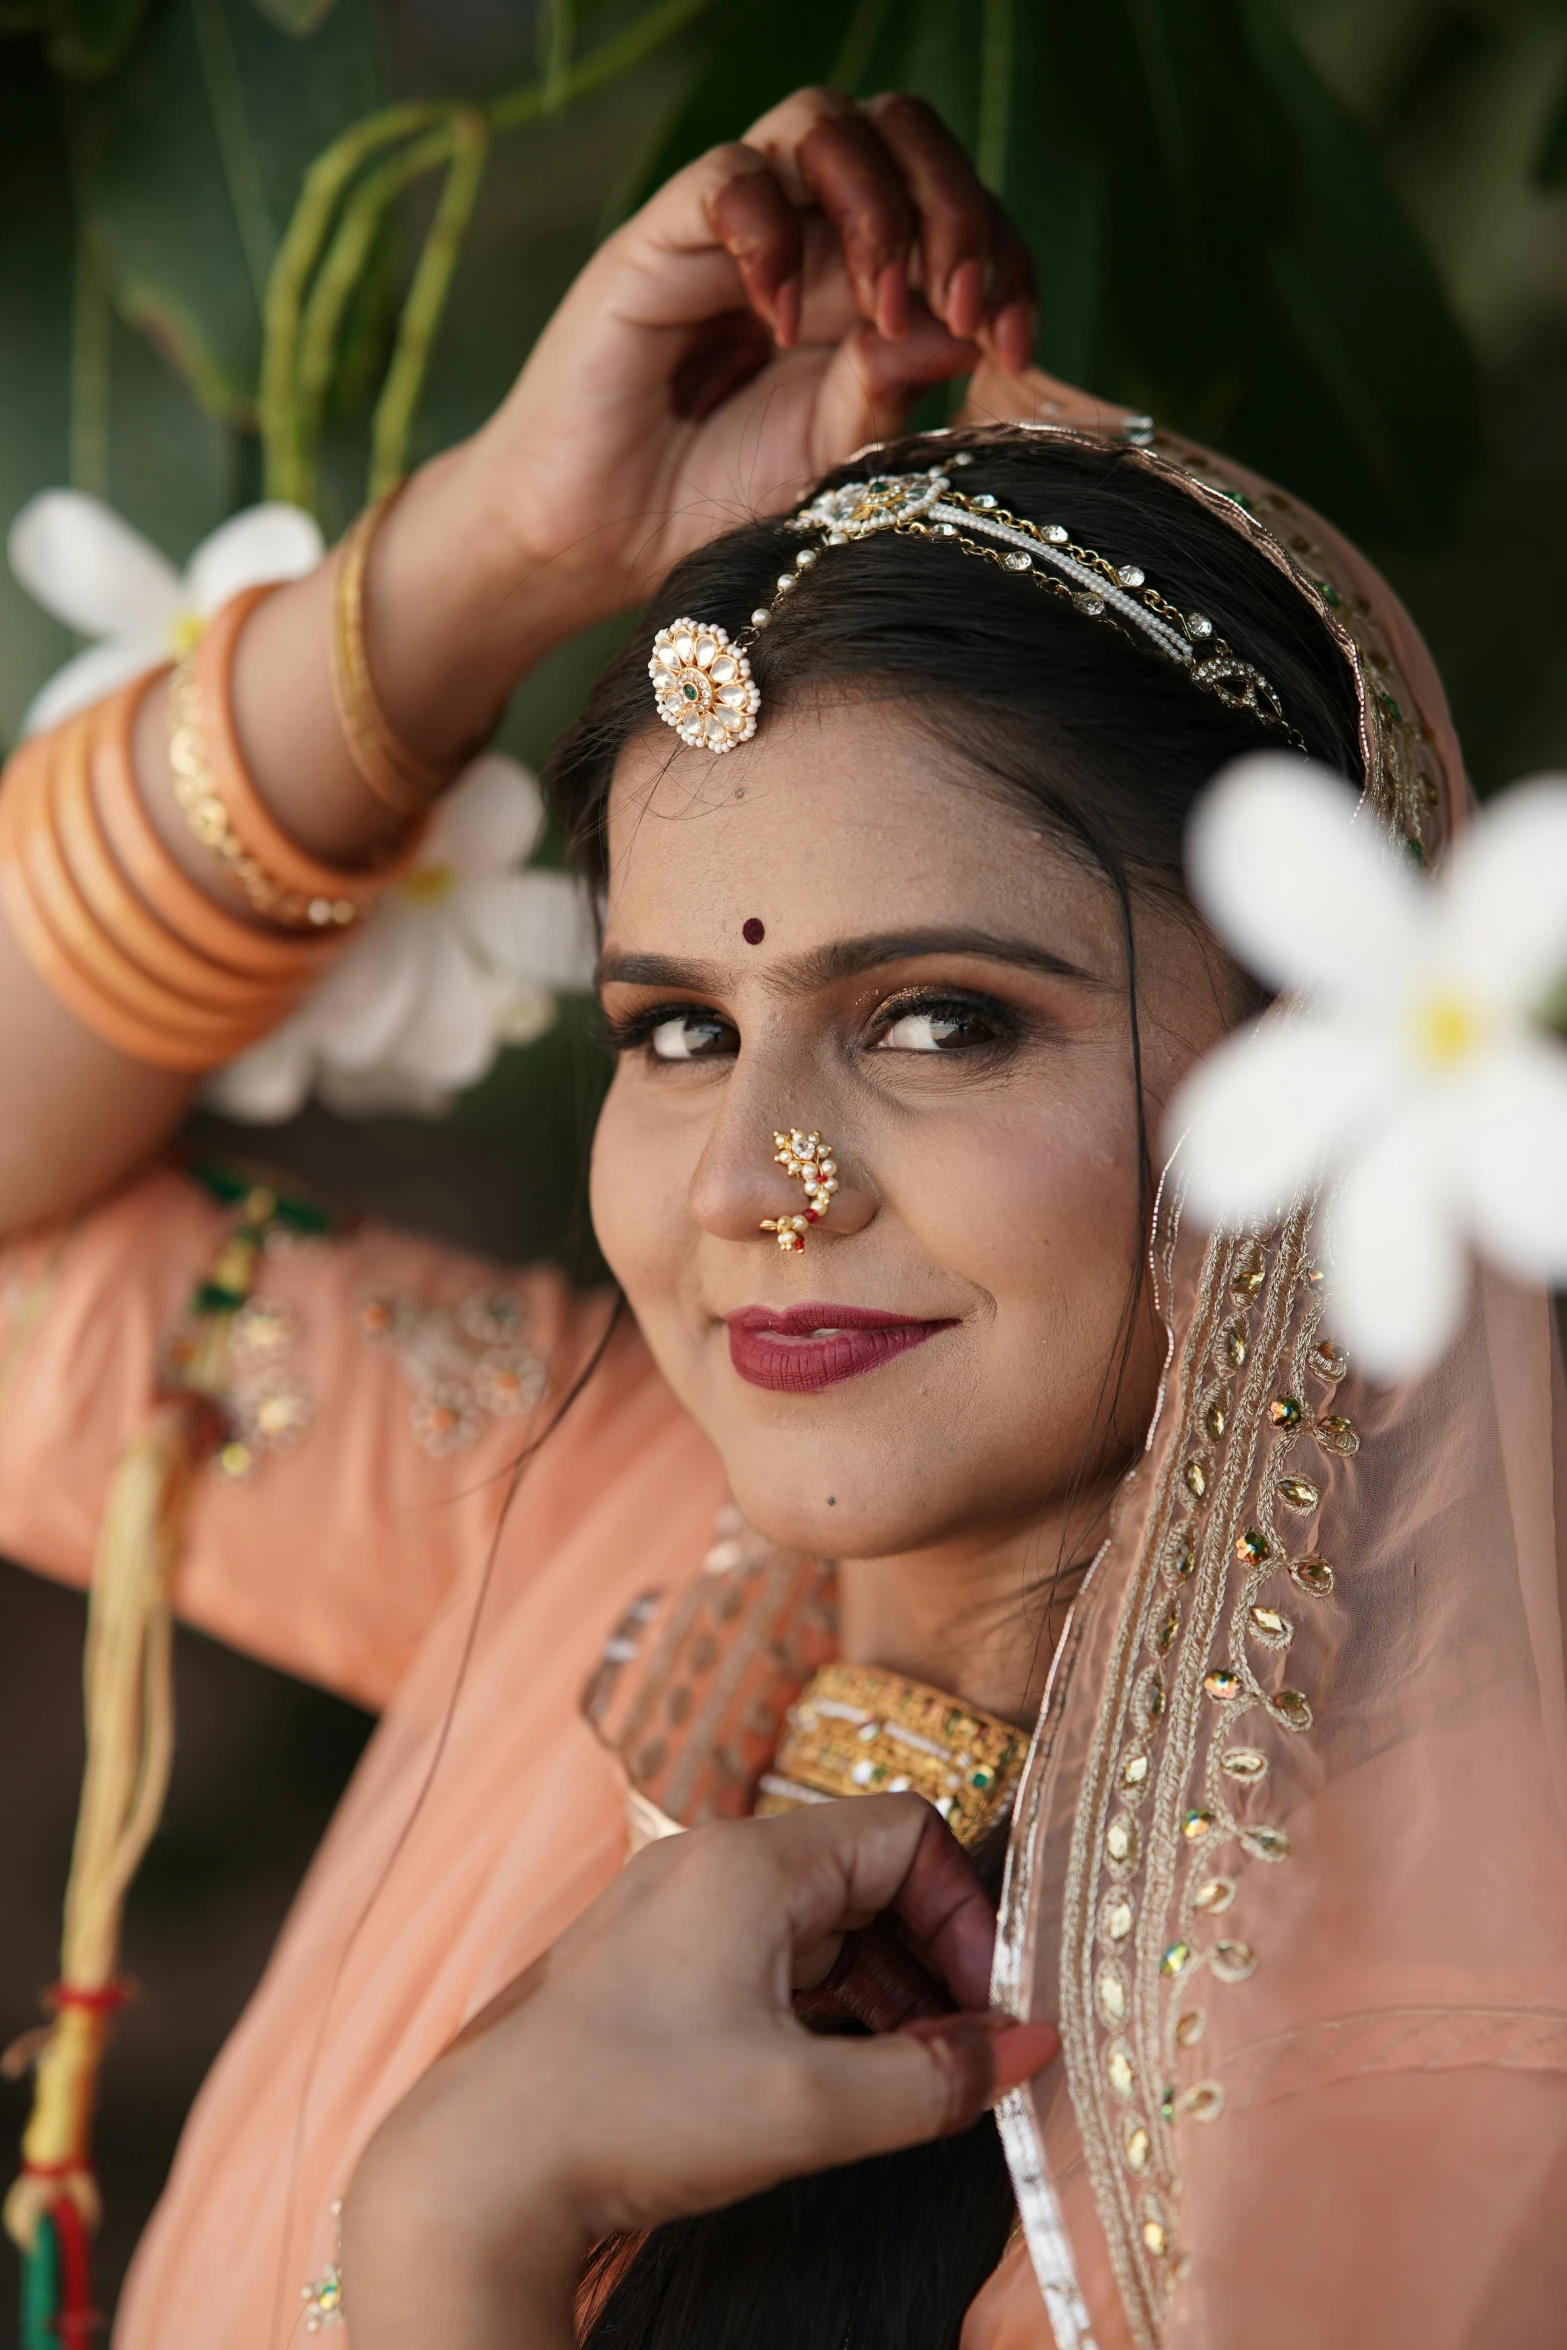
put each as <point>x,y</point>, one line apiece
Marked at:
<point>786,313</point>
<point>965,299</point>
<point>1014,336</point>
<point>1021,2051</point>
<point>892,303</point>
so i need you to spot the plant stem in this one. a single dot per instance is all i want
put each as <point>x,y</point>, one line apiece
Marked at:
<point>558,33</point>
<point>394,411</point>
<point>346,256</point>
<point>639,40</point>
<point>324,182</point>
<point>301,330</point>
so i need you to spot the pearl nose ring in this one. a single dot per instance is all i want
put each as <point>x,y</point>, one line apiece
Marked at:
<point>811,1159</point>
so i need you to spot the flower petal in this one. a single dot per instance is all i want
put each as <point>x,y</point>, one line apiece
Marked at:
<point>274,541</point>
<point>1398,1270</point>
<point>1262,1115</point>
<point>488,822</point>
<point>1505,896</point>
<point>75,556</point>
<point>535,927</point>
<point>88,676</point>
<point>448,1040</point>
<point>381,1092</point>
<point>360,1010</point>
<point>1299,881</point>
<point>268,1083</point>
<point>1512,1137</point>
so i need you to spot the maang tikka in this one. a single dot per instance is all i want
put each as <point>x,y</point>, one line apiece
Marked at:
<point>811,1159</point>
<point>701,675</point>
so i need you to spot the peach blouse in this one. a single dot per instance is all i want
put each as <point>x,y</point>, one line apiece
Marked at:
<point>384,1544</point>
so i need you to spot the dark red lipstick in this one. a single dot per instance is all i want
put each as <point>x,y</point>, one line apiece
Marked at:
<point>798,1349</point>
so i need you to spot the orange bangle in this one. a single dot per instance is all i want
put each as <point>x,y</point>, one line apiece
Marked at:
<point>258,834</point>
<point>93,950</point>
<point>398,777</point>
<point>122,915</point>
<point>238,945</point>
<point>66,981</point>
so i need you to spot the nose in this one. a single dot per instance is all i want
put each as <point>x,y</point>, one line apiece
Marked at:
<point>779,1183</point>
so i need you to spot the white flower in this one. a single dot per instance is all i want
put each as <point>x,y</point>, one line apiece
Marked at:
<point>464,954</point>
<point>75,556</point>
<point>1409,1067</point>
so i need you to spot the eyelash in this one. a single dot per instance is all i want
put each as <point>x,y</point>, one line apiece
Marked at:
<point>633,1031</point>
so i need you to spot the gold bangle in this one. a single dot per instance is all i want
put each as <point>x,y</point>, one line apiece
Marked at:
<point>207,810</point>
<point>398,777</point>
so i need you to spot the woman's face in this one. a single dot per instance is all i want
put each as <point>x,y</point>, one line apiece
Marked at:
<point>836,929</point>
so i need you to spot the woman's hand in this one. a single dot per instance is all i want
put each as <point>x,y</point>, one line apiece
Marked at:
<point>774,305</point>
<point>653,2065</point>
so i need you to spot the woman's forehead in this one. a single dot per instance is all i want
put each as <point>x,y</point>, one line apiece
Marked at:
<point>843,820</point>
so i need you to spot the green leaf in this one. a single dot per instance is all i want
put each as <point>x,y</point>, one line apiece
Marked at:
<point>89,37</point>
<point>189,163</point>
<point>298,18</point>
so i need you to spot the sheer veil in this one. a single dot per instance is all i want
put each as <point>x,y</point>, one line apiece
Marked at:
<point>1290,1861</point>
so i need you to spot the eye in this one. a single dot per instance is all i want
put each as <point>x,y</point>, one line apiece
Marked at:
<point>690,1036</point>
<point>944,1025</point>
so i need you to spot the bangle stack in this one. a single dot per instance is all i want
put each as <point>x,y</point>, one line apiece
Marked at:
<point>142,957</point>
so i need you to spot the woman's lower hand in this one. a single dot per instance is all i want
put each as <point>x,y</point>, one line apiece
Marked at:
<point>652,2065</point>
<point>774,305</point>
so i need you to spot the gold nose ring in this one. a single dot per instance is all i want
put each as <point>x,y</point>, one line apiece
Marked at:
<point>811,1159</point>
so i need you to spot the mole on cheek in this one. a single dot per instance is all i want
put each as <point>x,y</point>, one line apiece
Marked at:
<point>753,931</point>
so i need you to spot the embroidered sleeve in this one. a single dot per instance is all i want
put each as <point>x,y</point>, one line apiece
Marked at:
<point>376,1390</point>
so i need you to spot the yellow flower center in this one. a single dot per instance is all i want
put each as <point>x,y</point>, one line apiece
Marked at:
<point>428,885</point>
<point>185,633</point>
<point>1447,1030</point>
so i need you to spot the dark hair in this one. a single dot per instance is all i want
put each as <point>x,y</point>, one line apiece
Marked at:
<point>1104,745</point>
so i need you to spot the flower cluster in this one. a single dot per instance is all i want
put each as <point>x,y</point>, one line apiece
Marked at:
<point>1408,1068</point>
<point>465,954</point>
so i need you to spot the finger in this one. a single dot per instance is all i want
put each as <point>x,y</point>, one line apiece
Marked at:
<point>842,2100</point>
<point>956,214</point>
<point>759,227</point>
<point>826,153</point>
<point>1013,309</point>
<point>873,1981</point>
<point>865,390</point>
<point>949,1914</point>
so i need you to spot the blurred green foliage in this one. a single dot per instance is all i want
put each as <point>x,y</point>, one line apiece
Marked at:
<point>291,247</point>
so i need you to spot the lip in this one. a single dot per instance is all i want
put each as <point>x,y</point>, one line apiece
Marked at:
<point>776,1346</point>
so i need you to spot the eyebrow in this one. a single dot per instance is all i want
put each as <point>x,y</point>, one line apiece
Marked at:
<point>822,966</point>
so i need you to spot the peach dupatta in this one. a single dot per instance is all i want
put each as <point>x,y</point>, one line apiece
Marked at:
<point>1290,1861</point>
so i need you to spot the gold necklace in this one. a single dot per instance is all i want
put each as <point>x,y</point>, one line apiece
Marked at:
<point>856,1730</point>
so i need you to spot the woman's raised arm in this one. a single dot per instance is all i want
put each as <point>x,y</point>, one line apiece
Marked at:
<point>774,305</point>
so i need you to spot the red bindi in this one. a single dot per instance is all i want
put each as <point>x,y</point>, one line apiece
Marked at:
<point>753,931</point>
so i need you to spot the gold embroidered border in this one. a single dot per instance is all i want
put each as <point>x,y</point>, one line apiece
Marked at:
<point>1167,1784</point>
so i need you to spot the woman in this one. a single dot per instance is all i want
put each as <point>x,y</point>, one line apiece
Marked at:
<point>901,977</point>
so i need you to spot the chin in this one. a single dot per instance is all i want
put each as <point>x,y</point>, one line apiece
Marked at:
<point>812,1498</point>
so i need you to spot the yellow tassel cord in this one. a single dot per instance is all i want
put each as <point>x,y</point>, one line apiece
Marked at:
<point>129,1705</point>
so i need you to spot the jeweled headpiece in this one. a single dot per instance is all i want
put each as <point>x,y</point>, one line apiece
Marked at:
<point>702,676</point>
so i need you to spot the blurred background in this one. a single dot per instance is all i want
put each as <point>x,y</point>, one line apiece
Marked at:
<point>287,248</point>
